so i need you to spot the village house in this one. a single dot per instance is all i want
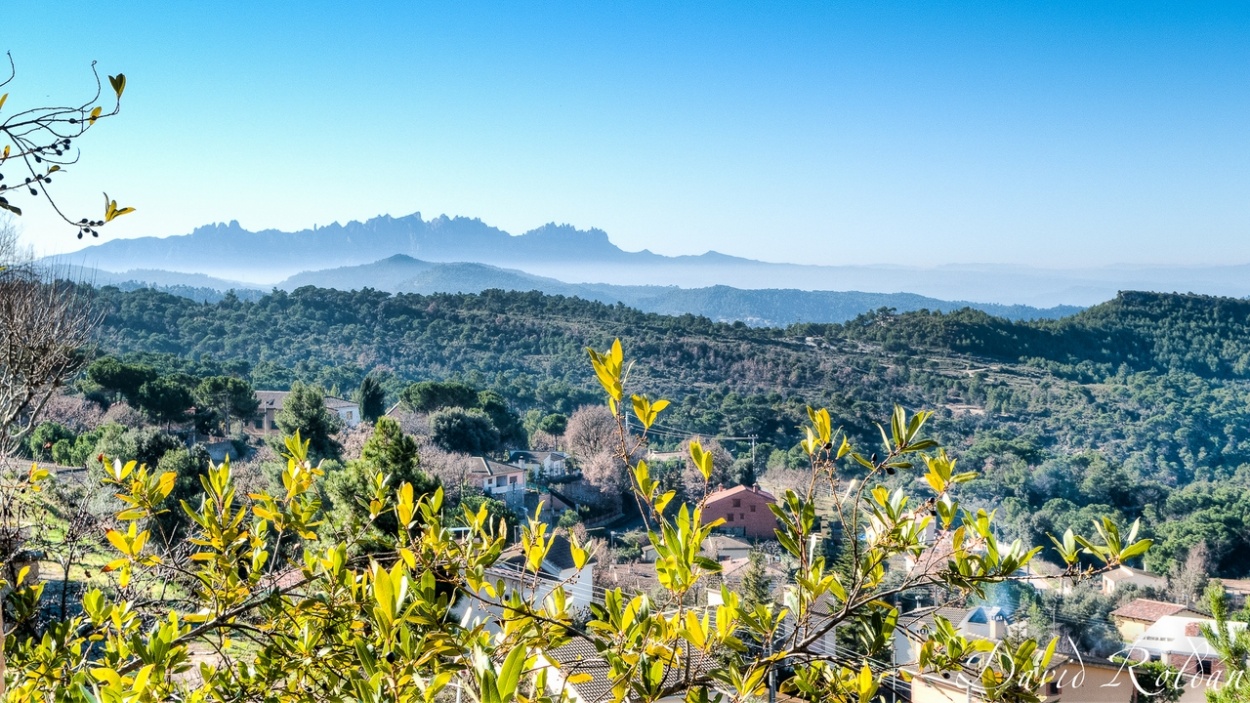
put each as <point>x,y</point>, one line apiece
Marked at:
<point>1237,591</point>
<point>983,622</point>
<point>498,480</point>
<point>1177,640</point>
<point>541,463</point>
<point>1074,678</point>
<point>719,547</point>
<point>744,510</point>
<point>1133,618</point>
<point>558,570</point>
<point>271,403</point>
<point>578,673</point>
<point>1129,576</point>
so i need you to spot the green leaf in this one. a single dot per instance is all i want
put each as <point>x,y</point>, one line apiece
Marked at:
<point>1137,549</point>
<point>510,673</point>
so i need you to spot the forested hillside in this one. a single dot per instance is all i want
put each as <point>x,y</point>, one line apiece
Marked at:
<point>1137,407</point>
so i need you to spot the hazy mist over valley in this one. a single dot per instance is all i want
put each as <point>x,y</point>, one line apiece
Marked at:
<point>561,254</point>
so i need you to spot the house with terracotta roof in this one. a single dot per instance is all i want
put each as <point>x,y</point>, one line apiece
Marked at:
<point>744,510</point>
<point>1177,640</point>
<point>1133,618</point>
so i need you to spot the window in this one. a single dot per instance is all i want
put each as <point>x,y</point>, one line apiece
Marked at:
<point>500,480</point>
<point>741,516</point>
<point>1052,689</point>
<point>729,518</point>
<point>512,480</point>
<point>737,502</point>
<point>752,508</point>
<point>1205,665</point>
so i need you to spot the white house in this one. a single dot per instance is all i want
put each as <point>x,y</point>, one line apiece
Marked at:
<point>348,411</point>
<point>503,481</point>
<point>557,571</point>
<point>1178,641</point>
<point>983,622</point>
<point>1129,576</point>
<point>271,403</point>
<point>578,661</point>
<point>541,463</point>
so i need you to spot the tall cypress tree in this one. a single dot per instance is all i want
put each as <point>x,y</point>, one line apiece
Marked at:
<point>372,398</point>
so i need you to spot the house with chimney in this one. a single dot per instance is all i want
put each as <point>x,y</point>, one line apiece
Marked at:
<point>1135,617</point>
<point>1073,678</point>
<point>1177,640</point>
<point>744,510</point>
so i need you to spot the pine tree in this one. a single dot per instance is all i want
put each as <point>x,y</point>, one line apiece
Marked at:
<point>305,410</point>
<point>757,587</point>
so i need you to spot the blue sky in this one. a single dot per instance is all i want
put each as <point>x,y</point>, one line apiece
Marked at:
<point>1055,134</point>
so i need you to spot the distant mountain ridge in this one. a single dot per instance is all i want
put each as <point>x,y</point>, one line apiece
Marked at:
<point>760,308</point>
<point>567,254</point>
<point>269,255</point>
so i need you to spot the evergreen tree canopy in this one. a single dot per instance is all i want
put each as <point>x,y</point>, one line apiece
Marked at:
<point>304,411</point>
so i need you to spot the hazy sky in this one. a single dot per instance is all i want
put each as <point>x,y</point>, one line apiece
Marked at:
<point>1055,133</point>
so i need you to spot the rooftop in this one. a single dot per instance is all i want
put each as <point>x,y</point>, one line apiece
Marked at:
<point>338,403</point>
<point>490,467</point>
<point>1147,610</point>
<point>560,556</point>
<point>738,491</point>
<point>271,399</point>
<point>580,657</point>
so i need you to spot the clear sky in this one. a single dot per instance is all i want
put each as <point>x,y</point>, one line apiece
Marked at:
<point>1060,133</point>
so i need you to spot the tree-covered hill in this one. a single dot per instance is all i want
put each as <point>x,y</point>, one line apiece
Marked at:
<point>1205,335</point>
<point>1138,406</point>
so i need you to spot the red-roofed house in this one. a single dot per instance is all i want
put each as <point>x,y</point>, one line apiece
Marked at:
<point>744,510</point>
<point>1133,618</point>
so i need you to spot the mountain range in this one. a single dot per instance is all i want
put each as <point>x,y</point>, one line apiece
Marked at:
<point>404,274</point>
<point>565,254</point>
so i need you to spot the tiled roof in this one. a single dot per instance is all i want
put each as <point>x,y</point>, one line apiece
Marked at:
<point>923,618</point>
<point>1235,585</point>
<point>271,399</point>
<point>739,490</point>
<point>715,543</point>
<point>533,456</point>
<point>580,657</point>
<point>399,410</point>
<point>1146,610</point>
<point>560,556</point>
<point>491,467</point>
<point>561,553</point>
<point>338,403</point>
